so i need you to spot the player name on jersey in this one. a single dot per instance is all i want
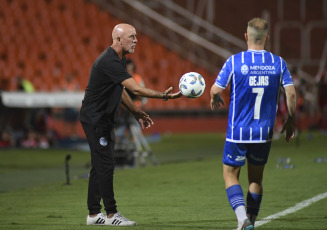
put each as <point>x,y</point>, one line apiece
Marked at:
<point>258,80</point>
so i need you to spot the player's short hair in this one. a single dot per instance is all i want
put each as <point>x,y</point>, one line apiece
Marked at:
<point>257,30</point>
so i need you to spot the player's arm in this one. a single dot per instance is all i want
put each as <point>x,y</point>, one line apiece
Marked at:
<point>216,99</point>
<point>138,90</point>
<point>220,84</point>
<point>143,119</point>
<point>289,125</point>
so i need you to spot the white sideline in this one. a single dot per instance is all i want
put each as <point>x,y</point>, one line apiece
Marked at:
<point>293,209</point>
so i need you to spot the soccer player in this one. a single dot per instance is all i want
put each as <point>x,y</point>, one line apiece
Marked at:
<point>255,77</point>
<point>100,108</point>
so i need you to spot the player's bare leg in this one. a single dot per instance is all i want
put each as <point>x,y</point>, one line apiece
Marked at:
<point>231,175</point>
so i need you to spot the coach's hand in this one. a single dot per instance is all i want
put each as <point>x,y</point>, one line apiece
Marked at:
<point>170,95</point>
<point>143,119</point>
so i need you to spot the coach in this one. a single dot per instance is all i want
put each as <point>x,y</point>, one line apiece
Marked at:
<point>100,108</point>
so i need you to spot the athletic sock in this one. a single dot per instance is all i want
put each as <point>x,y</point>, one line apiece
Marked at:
<point>236,200</point>
<point>253,202</point>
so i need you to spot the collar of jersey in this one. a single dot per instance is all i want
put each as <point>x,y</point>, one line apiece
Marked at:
<point>258,51</point>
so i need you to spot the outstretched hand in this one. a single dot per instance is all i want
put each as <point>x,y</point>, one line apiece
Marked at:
<point>170,95</point>
<point>143,119</point>
<point>216,102</point>
<point>289,127</point>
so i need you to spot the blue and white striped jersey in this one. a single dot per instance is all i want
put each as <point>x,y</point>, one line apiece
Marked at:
<point>255,79</point>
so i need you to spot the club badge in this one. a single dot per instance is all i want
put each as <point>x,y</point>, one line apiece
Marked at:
<point>103,141</point>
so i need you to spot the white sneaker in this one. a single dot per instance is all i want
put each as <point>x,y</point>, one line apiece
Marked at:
<point>119,220</point>
<point>97,220</point>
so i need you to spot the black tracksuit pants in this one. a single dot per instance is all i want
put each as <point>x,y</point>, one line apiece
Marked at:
<point>101,141</point>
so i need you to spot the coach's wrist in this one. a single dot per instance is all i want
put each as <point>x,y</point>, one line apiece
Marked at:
<point>164,96</point>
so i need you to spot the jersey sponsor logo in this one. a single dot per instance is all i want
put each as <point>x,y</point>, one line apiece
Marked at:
<point>258,81</point>
<point>262,67</point>
<point>240,158</point>
<point>103,141</point>
<point>244,69</point>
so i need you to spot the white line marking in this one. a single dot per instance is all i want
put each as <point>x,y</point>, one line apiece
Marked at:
<point>293,209</point>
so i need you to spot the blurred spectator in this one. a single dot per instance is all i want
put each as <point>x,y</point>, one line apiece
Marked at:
<point>31,140</point>
<point>42,124</point>
<point>24,85</point>
<point>70,114</point>
<point>39,122</point>
<point>6,139</point>
<point>43,142</point>
<point>34,139</point>
<point>311,100</point>
<point>24,115</point>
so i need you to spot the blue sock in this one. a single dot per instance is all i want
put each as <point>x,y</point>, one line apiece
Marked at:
<point>253,202</point>
<point>235,196</point>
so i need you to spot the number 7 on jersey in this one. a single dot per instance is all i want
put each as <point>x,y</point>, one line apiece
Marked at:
<point>258,99</point>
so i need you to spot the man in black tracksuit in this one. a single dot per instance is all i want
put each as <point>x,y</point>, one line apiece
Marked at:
<point>100,108</point>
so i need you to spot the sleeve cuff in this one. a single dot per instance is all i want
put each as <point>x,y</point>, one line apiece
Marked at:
<point>220,86</point>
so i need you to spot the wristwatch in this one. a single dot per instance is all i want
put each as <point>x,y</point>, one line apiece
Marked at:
<point>164,96</point>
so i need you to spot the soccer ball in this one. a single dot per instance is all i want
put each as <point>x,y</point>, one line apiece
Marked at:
<point>192,85</point>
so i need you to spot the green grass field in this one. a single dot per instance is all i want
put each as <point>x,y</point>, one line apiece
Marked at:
<point>186,191</point>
